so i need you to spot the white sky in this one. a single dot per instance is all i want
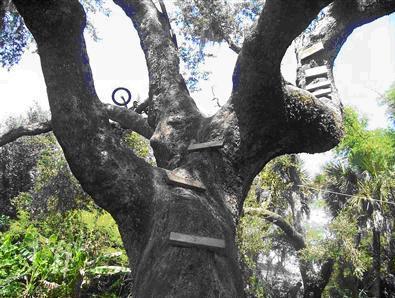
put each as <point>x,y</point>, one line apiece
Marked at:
<point>365,65</point>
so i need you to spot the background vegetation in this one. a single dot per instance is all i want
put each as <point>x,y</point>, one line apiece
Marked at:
<point>55,242</point>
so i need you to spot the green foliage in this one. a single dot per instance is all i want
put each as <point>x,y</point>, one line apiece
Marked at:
<point>339,245</point>
<point>274,189</point>
<point>251,230</point>
<point>140,146</point>
<point>250,234</point>
<point>54,186</point>
<point>368,150</point>
<point>199,23</point>
<point>389,100</point>
<point>4,222</point>
<point>61,243</point>
<point>361,181</point>
<point>50,162</point>
<point>370,154</point>
<point>18,160</point>
<point>15,38</point>
<point>217,20</point>
<point>58,256</point>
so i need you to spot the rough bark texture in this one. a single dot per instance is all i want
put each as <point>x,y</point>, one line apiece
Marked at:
<point>127,119</point>
<point>376,250</point>
<point>263,118</point>
<point>26,130</point>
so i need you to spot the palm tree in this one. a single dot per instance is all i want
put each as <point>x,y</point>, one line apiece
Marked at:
<point>362,179</point>
<point>285,204</point>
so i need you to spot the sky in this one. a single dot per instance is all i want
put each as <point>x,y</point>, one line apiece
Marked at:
<point>364,68</point>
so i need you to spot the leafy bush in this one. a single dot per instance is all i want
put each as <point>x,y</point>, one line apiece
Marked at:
<point>60,255</point>
<point>60,244</point>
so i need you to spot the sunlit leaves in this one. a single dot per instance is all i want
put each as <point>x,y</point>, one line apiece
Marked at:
<point>389,100</point>
<point>368,150</point>
<point>59,255</point>
<point>15,38</point>
<point>360,184</point>
<point>199,23</point>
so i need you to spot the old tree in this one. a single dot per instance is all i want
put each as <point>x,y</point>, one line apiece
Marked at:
<point>264,117</point>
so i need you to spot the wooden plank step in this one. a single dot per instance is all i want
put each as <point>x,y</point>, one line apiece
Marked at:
<point>315,71</point>
<point>206,145</point>
<point>318,85</point>
<point>197,241</point>
<point>177,180</point>
<point>322,92</point>
<point>315,48</point>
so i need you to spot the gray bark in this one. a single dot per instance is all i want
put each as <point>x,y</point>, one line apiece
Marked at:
<point>263,118</point>
<point>376,251</point>
<point>25,130</point>
<point>127,119</point>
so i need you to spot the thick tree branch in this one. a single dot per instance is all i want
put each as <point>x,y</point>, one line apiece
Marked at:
<point>294,237</point>
<point>25,130</point>
<point>167,19</point>
<point>258,105</point>
<point>106,169</point>
<point>278,25</point>
<point>143,106</point>
<point>332,30</point>
<point>129,119</point>
<point>161,56</point>
<point>262,103</point>
<point>172,113</point>
<point>339,21</point>
<point>314,124</point>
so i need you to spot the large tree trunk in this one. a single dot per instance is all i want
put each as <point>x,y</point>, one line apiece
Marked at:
<point>145,207</point>
<point>163,269</point>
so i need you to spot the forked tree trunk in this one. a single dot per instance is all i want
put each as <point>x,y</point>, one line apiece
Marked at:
<point>146,208</point>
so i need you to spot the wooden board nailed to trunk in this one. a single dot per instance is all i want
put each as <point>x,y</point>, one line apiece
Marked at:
<point>178,180</point>
<point>322,92</point>
<point>198,241</point>
<point>315,48</point>
<point>316,71</point>
<point>318,85</point>
<point>206,145</point>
